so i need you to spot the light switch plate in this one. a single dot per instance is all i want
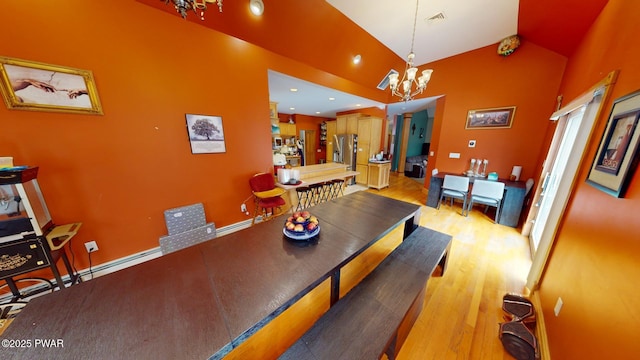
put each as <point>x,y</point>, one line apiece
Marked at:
<point>454,155</point>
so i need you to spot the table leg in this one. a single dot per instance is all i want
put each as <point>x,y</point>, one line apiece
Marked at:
<point>335,287</point>
<point>411,224</point>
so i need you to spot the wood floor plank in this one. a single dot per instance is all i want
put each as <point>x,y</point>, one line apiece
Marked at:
<point>462,310</point>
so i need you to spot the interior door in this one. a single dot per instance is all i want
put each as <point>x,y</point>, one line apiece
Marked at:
<point>310,147</point>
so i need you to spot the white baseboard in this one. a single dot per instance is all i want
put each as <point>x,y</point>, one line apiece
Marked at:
<point>150,254</point>
<point>131,260</point>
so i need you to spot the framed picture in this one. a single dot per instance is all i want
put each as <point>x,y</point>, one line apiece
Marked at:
<point>205,134</point>
<point>617,155</point>
<point>29,85</point>
<point>496,118</point>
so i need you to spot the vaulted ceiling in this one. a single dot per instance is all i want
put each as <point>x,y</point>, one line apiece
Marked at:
<point>315,31</point>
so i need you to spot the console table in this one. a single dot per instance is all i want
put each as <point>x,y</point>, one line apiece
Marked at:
<point>512,202</point>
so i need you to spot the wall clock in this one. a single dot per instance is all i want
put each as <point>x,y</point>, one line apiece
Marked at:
<point>508,45</point>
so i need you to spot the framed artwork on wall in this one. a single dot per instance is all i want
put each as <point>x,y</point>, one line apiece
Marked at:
<point>30,85</point>
<point>495,118</point>
<point>617,155</point>
<point>206,134</point>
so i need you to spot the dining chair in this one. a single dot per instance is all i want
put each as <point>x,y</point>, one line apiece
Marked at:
<point>455,187</point>
<point>489,193</point>
<point>267,197</point>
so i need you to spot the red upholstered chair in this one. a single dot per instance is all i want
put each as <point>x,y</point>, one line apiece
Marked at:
<point>267,197</point>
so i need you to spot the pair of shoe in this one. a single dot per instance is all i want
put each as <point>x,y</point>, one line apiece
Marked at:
<point>516,337</point>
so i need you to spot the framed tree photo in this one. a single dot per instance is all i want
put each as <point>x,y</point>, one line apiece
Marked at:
<point>617,155</point>
<point>205,134</point>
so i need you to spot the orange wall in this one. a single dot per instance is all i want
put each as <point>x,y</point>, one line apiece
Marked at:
<point>118,172</point>
<point>305,122</point>
<point>528,79</point>
<point>594,264</point>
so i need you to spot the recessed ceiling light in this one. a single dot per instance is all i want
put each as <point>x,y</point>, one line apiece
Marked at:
<point>331,98</point>
<point>358,105</point>
<point>317,112</point>
<point>292,108</point>
<point>257,7</point>
<point>293,90</point>
<point>357,59</point>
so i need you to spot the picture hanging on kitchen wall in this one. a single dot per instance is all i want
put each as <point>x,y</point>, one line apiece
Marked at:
<point>496,118</point>
<point>30,85</point>
<point>617,155</point>
<point>205,134</point>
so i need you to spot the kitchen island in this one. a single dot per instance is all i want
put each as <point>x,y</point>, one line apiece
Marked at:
<point>315,174</point>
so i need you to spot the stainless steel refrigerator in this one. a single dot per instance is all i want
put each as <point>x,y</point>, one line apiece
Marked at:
<point>345,151</point>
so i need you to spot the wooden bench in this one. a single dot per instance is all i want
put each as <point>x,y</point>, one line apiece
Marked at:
<point>375,317</point>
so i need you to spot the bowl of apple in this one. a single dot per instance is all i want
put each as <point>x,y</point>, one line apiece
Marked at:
<point>301,225</point>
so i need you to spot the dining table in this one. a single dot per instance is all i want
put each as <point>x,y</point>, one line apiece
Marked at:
<point>204,301</point>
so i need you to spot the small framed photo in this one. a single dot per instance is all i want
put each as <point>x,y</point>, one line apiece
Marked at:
<point>617,155</point>
<point>496,118</point>
<point>206,134</point>
<point>30,85</point>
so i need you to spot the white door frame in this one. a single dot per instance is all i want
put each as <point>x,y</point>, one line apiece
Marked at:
<point>593,100</point>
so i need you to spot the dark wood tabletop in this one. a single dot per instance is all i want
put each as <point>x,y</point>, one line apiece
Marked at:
<point>202,301</point>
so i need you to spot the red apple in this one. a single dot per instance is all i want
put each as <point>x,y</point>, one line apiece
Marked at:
<point>298,228</point>
<point>290,219</point>
<point>305,214</point>
<point>290,225</point>
<point>312,226</point>
<point>300,219</point>
<point>296,214</point>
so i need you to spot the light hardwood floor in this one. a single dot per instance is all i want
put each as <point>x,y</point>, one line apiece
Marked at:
<point>462,310</point>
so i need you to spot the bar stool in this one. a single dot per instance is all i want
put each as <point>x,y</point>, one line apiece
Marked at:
<point>327,189</point>
<point>339,185</point>
<point>303,193</point>
<point>334,189</point>
<point>315,194</point>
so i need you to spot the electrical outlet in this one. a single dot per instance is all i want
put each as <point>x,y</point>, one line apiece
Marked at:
<point>558,307</point>
<point>243,208</point>
<point>91,246</point>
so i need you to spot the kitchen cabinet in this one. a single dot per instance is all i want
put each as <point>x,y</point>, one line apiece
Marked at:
<point>378,176</point>
<point>287,130</point>
<point>347,124</point>
<point>369,132</point>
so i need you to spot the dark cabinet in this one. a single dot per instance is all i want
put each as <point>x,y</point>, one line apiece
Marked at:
<point>512,202</point>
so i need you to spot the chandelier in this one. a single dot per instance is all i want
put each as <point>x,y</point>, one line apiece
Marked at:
<point>409,77</point>
<point>182,6</point>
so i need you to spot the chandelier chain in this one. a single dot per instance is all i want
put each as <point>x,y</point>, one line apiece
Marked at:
<point>404,88</point>
<point>415,22</point>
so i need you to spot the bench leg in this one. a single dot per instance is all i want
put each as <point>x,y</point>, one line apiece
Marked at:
<point>444,260</point>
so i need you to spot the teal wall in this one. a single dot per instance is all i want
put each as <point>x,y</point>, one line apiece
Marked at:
<point>416,138</point>
<point>422,121</point>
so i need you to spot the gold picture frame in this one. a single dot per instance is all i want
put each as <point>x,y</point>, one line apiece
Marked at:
<point>30,85</point>
<point>495,118</point>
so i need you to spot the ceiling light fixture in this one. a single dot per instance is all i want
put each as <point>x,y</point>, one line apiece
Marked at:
<point>257,7</point>
<point>409,76</point>
<point>183,6</point>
